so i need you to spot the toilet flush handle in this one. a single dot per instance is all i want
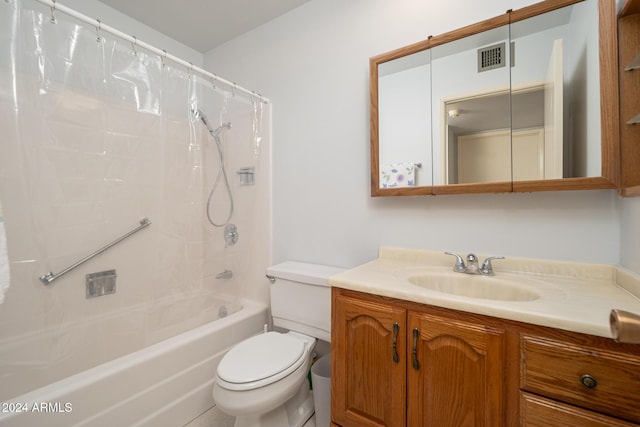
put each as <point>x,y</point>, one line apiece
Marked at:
<point>271,278</point>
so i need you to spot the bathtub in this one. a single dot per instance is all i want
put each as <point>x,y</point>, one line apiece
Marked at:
<point>166,384</point>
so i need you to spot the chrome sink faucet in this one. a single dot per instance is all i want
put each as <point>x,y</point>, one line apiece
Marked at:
<point>472,267</point>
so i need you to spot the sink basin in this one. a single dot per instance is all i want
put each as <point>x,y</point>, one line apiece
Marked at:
<point>473,286</point>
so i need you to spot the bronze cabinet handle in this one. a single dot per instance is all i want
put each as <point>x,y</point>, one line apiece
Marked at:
<point>396,329</point>
<point>414,351</point>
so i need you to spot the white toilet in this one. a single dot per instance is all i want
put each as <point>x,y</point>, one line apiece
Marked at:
<point>263,380</point>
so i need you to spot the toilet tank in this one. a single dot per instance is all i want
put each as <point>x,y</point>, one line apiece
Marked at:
<point>301,297</point>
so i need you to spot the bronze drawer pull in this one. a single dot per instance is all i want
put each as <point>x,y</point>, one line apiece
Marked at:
<point>588,381</point>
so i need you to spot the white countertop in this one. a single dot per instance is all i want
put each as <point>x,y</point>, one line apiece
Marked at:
<point>572,296</point>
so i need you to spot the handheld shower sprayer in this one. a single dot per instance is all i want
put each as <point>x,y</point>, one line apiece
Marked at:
<point>199,115</point>
<point>222,172</point>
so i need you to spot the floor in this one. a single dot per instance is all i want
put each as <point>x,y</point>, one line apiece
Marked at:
<point>213,418</point>
<point>216,418</point>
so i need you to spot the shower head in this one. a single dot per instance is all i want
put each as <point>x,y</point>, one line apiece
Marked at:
<point>199,115</point>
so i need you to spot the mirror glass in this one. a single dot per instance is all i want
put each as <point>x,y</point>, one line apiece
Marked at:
<point>555,83</point>
<point>470,83</point>
<point>512,103</point>
<point>404,125</point>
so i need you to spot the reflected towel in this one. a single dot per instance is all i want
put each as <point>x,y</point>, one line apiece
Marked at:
<point>398,175</point>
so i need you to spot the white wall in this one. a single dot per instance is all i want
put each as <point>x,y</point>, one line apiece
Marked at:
<point>313,64</point>
<point>630,236</point>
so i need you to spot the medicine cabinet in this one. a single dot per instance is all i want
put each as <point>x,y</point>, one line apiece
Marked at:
<point>525,101</point>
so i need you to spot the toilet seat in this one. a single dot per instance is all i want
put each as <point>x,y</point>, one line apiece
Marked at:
<point>261,360</point>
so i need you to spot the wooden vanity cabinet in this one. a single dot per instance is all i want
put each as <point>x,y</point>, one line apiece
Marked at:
<point>398,363</point>
<point>403,365</point>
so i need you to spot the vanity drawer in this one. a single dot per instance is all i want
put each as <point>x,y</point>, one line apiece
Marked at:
<point>536,411</point>
<point>594,378</point>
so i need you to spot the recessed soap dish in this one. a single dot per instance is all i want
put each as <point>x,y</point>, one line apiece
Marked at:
<point>101,283</point>
<point>247,175</point>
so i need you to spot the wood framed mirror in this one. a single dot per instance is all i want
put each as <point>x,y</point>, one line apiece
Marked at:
<point>525,101</point>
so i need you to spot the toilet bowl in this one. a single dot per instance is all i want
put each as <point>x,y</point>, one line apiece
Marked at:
<point>263,381</point>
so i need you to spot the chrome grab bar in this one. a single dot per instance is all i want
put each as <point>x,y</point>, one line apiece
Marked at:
<point>48,278</point>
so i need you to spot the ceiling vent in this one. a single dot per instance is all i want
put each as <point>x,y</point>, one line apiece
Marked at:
<point>491,57</point>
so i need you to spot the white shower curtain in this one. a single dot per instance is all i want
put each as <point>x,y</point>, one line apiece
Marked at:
<point>4,261</point>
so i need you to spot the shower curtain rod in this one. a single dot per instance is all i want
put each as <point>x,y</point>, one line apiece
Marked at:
<point>53,4</point>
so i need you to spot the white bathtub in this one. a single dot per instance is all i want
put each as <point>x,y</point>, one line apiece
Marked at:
<point>165,384</point>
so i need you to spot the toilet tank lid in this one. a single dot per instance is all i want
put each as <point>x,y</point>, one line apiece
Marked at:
<point>303,272</point>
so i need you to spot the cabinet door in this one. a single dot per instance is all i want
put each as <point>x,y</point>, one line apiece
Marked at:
<point>368,371</point>
<point>455,373</point>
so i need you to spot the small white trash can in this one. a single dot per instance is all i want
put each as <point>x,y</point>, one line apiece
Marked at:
<point>321,380</point>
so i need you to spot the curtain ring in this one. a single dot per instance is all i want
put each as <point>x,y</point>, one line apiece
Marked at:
<point>98,29</point>
<point>134,43</point>
<point>190,70</point>
<point>163,58</point>
<point>53,19</point>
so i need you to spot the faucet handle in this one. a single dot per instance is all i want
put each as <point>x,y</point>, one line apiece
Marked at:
<point>487,268</point>
<point>459,267</point>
